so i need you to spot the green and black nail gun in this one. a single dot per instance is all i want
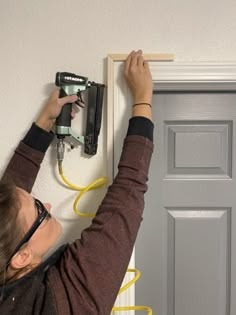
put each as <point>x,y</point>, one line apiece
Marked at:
<point>72,84</point>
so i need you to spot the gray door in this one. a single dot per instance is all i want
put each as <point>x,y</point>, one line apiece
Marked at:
<point>186,245</point>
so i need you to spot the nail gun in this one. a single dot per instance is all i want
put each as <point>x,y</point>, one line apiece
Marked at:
<point>72,84</point>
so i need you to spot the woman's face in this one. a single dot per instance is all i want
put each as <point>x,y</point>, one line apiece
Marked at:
<point>47,233</point>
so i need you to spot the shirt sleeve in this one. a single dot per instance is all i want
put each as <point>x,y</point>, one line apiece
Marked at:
<point>38,138</point>
<point>141,126</point>
<point>25,163</point>
<point>92,268</point>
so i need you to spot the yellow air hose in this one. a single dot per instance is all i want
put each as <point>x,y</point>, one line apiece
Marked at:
<point>98,183</point>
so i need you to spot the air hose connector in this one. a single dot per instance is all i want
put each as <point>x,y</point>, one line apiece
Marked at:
<point>60,149</point>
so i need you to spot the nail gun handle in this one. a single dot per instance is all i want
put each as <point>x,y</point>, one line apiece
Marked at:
<point>64,119</point>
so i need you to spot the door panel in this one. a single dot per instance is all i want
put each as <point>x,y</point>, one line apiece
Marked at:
<point>185,248</point>
<point>198,254</point>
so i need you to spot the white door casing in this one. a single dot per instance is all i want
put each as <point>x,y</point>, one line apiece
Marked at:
<point>169,76</point>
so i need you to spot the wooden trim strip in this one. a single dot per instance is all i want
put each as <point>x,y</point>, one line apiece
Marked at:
<point>148,57</point>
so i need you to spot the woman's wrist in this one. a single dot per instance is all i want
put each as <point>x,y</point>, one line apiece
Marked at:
<point>137,104</point>
<point>142,109</point>
<point>143,99</point>
<point>45,124</point>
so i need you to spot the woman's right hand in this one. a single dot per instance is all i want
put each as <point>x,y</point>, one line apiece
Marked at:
<point>138,77</point>
<point>52,109</point>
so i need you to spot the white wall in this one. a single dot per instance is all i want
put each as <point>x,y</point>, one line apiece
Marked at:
<point>39,38</point>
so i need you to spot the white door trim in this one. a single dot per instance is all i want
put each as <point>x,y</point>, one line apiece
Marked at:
<point>167,75</point>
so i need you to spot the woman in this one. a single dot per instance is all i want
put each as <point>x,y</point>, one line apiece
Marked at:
<point>85,276</point>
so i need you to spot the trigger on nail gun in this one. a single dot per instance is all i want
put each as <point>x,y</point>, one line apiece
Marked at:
<point>80,101</point>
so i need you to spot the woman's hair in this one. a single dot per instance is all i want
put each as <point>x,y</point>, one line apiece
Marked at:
<point>11,231</point>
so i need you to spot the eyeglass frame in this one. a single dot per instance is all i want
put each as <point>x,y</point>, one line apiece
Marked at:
<point>41,217</point>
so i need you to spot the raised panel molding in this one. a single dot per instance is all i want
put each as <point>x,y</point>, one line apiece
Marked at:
<point>196,256</point>
<point>198,149</point>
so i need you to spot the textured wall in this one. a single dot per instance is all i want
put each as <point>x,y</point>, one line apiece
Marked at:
<point>39,38</point>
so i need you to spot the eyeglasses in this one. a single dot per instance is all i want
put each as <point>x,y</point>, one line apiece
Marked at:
<point>42,215</point>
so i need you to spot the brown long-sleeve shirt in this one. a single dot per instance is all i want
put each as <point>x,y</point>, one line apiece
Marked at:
<point>85,276</point>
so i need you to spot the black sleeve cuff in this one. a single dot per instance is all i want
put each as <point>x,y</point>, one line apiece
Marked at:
<point>141,126</point>
<point>38,138</point>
